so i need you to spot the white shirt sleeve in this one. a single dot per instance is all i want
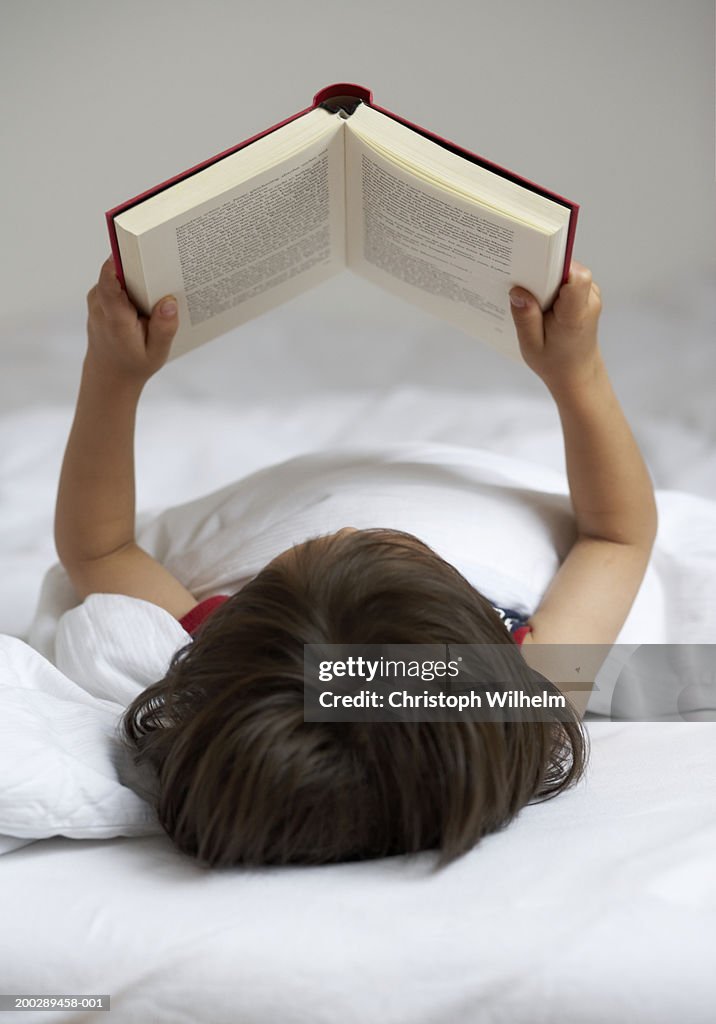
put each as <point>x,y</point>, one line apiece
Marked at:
<point>116,646</point>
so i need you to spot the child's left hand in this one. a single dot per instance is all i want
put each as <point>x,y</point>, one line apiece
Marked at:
<point>120,341</point>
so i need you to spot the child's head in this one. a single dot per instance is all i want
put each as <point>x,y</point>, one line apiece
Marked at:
<point>243,779</point>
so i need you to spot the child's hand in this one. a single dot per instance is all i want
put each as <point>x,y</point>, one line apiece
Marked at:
<point>121,342</point>
<point>561,345</point>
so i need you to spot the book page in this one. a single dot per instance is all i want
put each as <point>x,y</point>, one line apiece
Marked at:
<point>442,251</point>
<point>234,257</point>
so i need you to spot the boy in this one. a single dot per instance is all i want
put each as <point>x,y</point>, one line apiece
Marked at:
<point>242,778</point>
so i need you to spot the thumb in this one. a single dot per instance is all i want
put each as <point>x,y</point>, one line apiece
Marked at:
<point>163,325</point>
<point>527,317</point>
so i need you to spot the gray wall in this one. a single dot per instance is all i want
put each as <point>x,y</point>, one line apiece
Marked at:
<point>609,103</point>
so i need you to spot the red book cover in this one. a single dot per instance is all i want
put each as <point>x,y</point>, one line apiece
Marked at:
<point>333,96</point>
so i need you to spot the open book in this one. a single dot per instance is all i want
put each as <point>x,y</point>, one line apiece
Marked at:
<point>343,184</point>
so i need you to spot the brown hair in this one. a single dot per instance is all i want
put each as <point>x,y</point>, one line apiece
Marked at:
<point>243,779</point>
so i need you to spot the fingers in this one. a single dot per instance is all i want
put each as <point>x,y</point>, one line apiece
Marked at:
<point>572,302</point>
<point>109,298</point>
<point>109,290</point>
<point>162,327</point>
<point>527,319</point>
<point>577,269</point>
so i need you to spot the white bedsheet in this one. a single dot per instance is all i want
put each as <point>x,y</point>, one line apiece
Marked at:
<point>600,905</point>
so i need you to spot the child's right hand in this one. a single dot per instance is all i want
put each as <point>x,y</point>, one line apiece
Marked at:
<point>561,345</point>
<point>121,343</point>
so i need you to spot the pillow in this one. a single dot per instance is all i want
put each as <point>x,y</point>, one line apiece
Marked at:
<point>64,770</point>
<point>503,522</point>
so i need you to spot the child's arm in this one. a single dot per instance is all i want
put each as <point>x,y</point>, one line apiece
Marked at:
<point>612,494</point>
<point>95,511</point>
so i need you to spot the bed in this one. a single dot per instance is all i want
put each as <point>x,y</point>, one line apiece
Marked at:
<point>600,905</point>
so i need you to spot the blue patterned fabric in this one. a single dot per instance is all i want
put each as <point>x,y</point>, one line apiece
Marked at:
<point>512,620</point>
